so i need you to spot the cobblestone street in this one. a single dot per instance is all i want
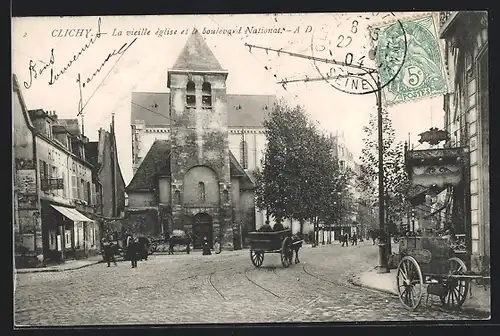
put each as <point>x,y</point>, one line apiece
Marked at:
<point>223,288</point>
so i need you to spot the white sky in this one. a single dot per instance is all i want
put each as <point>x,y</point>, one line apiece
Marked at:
<point>143,68</point>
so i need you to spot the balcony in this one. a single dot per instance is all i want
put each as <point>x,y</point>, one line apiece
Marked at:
<point>48,184</point>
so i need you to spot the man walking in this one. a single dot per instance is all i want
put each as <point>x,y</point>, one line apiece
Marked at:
<point>133,251</point>
<point>345,240</point>
<point>109,253</point>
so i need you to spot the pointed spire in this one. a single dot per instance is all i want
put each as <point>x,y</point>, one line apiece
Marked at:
<point>196,56</point>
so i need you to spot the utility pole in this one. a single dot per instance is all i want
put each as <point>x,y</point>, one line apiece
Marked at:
<point>383,266</point>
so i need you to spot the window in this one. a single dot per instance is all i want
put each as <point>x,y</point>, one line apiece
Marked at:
<point>244,154</point>
<point>89,193</point>
<point>177,197</point>
<point>74,186</point>
<point>206,95</point>
<point>81,191</point>
<point>64,185</point>
<point>42,171</point>
<point>190,94</point>
<point>225,195</point>
<point>201,192</point>
<point>341,163</point>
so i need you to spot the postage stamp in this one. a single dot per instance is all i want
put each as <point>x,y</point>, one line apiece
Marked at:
<point>423,73</point>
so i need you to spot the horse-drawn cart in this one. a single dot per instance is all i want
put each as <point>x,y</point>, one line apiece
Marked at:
<point>281,242</point>
<point>431,261</point>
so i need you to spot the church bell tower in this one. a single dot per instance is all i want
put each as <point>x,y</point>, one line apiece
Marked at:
<point>199,155</point>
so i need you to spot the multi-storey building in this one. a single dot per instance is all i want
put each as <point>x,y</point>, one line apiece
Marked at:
<point>465,36</point>
<point>54,186</point>
<point>349,222</point>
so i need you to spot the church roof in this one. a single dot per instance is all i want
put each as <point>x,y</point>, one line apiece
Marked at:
<point>243,110</point>
<point>196,56</point>
<point>157,162</point>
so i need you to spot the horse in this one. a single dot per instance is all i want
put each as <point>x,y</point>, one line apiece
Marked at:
<point>178,240</point>
<point>296,245</point>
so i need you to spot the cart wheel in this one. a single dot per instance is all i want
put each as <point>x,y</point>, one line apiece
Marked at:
<point>410,283</point>
<point>286,252</point>
<point>457,288</point>
<point>257,258</point>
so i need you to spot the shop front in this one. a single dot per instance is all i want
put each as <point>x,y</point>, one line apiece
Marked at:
<point>66,233</point>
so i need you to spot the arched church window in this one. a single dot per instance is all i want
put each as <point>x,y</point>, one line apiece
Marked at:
<point>225,196</point>
<point>201,192</point>
<point>190,94</point>
<point>206,95</point>
<point>244,154</point>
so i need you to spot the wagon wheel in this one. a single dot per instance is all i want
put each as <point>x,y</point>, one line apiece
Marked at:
<point>410,283</point>
<point>457,288</point>
<point>257,258</point>
<point>286,252</point>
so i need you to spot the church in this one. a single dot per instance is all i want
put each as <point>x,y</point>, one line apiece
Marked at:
<point>194,149</point>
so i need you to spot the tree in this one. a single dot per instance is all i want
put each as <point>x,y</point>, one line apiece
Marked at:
<point>396,180</point>
<point>299,177</point>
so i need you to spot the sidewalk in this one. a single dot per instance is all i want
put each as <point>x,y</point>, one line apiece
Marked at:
<point>479,303</point>
<point>68,265</point>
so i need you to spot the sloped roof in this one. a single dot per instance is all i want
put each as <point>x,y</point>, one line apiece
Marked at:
<point>243,110</point>
<point>196,56</point>
<point>157,162</point>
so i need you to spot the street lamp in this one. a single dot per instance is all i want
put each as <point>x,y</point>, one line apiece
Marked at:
<point>383,266</point>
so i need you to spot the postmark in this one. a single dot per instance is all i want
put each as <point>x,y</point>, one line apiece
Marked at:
<point>423,73</point>
<point>343,55</point>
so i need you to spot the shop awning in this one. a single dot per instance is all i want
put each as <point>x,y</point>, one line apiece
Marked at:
<point>71,213</point>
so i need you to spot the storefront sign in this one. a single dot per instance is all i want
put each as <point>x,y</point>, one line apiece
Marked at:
<point>26,181</point>
<point>27,202</point>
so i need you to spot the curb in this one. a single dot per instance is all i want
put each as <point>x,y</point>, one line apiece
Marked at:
<point>486,314</point>
<point>46,270</point>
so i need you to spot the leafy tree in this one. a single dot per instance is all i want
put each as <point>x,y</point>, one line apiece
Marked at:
<point>300,178</point>
<point>396,180</point>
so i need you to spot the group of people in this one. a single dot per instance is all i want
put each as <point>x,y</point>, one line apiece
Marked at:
<point>135,249</point>
<point>267,227</point>
<point>344,239</point>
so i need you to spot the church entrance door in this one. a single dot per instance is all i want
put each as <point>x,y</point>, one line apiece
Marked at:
<point>202,227</point>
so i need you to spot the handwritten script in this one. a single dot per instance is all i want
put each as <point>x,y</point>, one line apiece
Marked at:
<point>54,75</point>
<point>82,84</point>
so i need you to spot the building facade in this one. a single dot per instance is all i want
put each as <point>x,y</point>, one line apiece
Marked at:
<point>190,179</point>
<point>465,36</point>
<point>349,222</point>
<point>54,187</point>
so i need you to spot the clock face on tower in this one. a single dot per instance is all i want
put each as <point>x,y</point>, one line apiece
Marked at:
<point>359,53</point>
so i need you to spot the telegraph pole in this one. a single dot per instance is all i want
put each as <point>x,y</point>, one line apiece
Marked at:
<point>383,266</point>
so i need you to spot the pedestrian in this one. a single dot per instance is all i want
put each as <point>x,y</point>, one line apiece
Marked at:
<point>111,250</point>
<point>345,239</point>
<point>354,239</point>
<point>133,252</point>
<point>206,247</point>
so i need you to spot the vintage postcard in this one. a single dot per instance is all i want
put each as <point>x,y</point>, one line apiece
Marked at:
<point>263,168</point>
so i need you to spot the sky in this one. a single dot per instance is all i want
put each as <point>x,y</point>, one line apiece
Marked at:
<point>137,60</point>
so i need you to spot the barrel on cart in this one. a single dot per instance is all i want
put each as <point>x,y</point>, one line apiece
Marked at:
<point>432,263</point>
<point>271,242</point>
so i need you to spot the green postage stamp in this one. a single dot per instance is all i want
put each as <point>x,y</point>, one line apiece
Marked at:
<point>422,74</point>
